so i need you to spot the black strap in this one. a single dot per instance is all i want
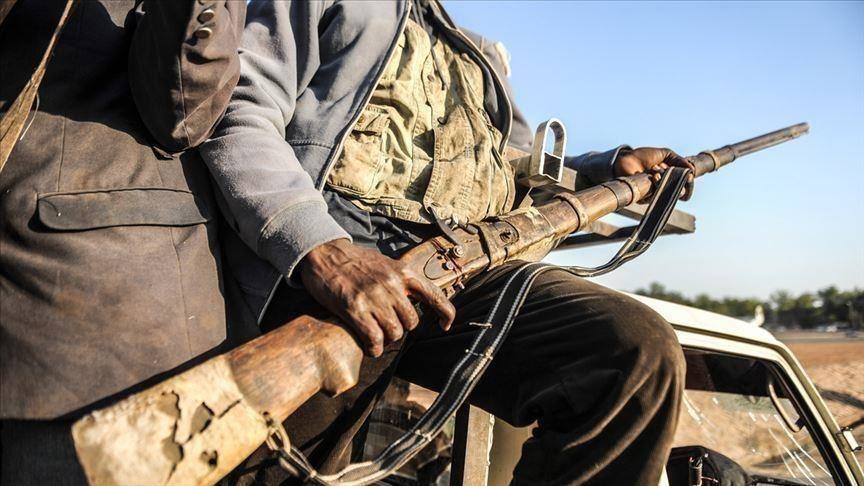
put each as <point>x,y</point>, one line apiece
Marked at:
<point>662,206</point>
<point>467,372</point>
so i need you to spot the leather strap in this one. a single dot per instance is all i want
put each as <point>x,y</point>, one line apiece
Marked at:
<point>14,119</point>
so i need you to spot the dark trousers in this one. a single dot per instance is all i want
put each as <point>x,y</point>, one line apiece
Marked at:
<point>38,452</point>
<point>600,373</point>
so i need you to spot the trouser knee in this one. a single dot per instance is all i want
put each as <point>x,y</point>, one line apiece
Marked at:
<point>637,339</point>
<point>653,340</point>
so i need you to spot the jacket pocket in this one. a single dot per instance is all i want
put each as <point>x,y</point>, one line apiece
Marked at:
<point>356,171</point>
<point>92,209</point>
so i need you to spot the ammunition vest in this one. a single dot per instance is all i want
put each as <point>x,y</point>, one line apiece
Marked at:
<point>424,146</point>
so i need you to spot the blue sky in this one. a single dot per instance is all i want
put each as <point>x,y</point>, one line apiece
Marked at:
<point>698,75</point>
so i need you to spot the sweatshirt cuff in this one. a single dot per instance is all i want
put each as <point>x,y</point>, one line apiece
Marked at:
<point>295,231</point>
<point>596,167</point>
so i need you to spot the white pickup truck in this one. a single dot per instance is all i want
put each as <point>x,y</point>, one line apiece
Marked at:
<point>747,398</point>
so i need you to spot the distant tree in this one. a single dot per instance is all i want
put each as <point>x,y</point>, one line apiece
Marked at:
<point>807,310</point>
<point>657,290</point>
<point>741,307</point>
<point>782,304</point>
<point>704,301</point>
<point>833,308</point>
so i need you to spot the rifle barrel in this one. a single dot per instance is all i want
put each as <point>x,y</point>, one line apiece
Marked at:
<point>711,160</point>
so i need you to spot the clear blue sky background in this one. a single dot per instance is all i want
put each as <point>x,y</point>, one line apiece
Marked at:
<point>698,75</point>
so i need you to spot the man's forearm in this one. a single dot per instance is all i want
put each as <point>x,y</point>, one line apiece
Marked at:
<point>269,199</point>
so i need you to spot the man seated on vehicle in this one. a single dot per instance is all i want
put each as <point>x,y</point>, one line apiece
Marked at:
<point>109,257</point>
<point>357,125</point>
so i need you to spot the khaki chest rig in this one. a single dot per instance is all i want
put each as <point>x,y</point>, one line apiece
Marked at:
<point>424,147</point>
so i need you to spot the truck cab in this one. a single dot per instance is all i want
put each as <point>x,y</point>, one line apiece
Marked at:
<point>750,415</point>
<point>747,399</point>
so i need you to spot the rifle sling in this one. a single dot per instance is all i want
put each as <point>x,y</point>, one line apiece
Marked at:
<point>466,373</point>
<point>662,205</point>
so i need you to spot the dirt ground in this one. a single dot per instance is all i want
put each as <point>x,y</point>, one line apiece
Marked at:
<point>836,366</point>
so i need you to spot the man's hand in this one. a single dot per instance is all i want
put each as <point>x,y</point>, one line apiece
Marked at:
<point>370,292</point>
<point>653,161</point>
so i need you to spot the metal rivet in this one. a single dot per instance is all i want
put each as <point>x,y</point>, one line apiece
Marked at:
<point>206,15</point>
<point>203,32</point>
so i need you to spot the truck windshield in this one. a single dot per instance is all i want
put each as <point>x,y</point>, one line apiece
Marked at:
<point>734,407</point>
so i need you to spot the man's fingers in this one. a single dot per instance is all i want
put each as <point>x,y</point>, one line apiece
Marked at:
<point>406,313</point>
<point>389,323</point>
<point>674,160</point>
<point>371,334</point>
<point>427,292</point>
<point>688,188</point>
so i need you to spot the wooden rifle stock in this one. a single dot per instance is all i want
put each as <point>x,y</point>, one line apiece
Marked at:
<point>197,426</point>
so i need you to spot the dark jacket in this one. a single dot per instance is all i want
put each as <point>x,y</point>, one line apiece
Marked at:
<point>108,263</point>
<point>308,69</point>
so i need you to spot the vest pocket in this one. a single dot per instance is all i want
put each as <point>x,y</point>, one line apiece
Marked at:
<point>453,167</point>
<point>356,171</point>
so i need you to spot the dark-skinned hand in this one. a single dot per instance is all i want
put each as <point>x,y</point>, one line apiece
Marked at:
<point>654,161</point>
<point>370,292</point>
